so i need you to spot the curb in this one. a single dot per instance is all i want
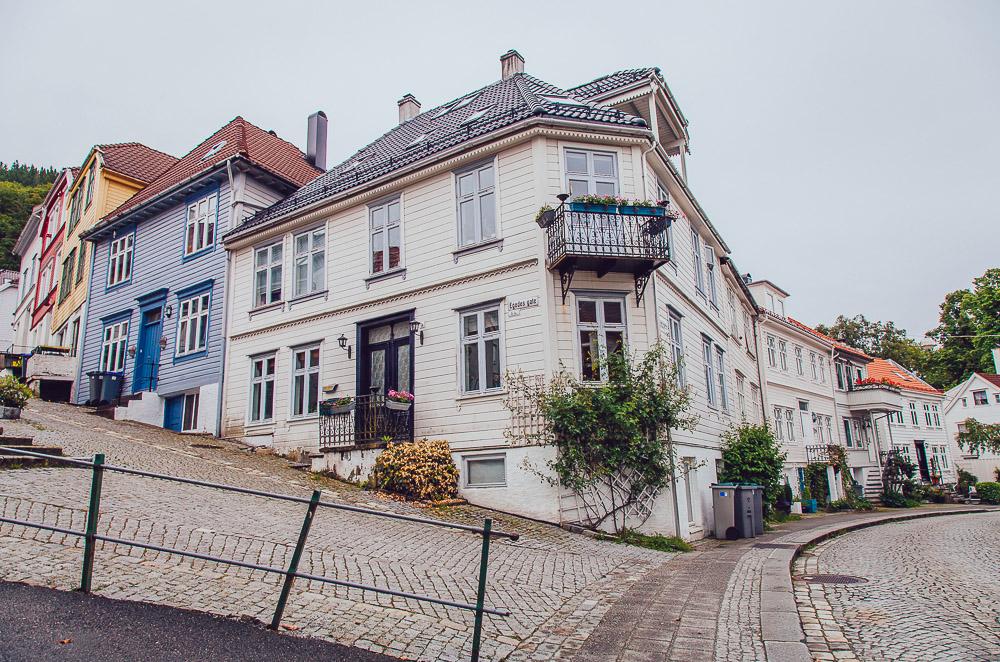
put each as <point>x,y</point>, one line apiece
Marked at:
<point>781,628</point>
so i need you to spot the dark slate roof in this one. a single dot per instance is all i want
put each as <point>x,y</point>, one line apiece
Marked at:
<point>617,80</point>
<point>478,113</point>
<point>237,138</point>
<point>135,160</point>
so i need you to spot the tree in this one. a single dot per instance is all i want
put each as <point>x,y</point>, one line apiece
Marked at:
<point>27,175</point>
<point>882,339</point>
<point>975,437</point>
<point>16,202</point>
<point>969,329</point>
<point>751,455</point>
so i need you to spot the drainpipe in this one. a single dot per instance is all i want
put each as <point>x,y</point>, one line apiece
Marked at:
<point>226,301</point>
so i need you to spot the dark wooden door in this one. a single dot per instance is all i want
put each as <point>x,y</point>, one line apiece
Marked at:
<point>386,363</point>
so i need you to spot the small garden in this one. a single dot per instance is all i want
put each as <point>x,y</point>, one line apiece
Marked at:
<point>13,396</point>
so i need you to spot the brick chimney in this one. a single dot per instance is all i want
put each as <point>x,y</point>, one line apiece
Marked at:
<point>409,108</point>
<point>316,140</point>
<point>511,63</point>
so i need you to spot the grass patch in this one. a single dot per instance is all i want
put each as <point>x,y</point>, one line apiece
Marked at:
<point>779,518</point>
<point>658,542</point>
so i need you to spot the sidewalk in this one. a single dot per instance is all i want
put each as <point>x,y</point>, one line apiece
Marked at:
<point>725,600</point>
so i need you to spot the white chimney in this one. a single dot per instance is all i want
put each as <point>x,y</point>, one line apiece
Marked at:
<point>409,108</point>
<point>316,140</point>
<point>511,63</point>
<point>996,360</point>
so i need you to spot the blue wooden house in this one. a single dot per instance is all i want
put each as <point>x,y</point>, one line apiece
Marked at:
<point>154,335</point>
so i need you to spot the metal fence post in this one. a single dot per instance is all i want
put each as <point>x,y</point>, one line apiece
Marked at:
<point>293,566</point>
<point>481,593</point>
<point>93,513</point>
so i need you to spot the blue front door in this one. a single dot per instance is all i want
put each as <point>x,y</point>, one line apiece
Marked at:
<point>147,353</point>
<point>173,412</point>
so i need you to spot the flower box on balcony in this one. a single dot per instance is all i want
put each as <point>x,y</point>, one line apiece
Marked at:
<point>333,407</point>
<point>589,208</point>
<point>636,210</point>
<point>396,405</point>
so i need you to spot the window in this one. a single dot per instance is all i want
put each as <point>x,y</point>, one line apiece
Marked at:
<point>798,361</point>
<point>74,337</point>
<point>940,454</point>
<point>385,236</point>
<point>66,280</point>
<point>262,388</point>
<point>120,260</point>
<point>896,418</point>
<point>709,371</point>
<point>783,354</point>
<point>81,262</point>
<point>486,471</point>
<point>778,425</point>
<point>477,213</point>
<point>481,356</point>
<point>741,398</point>
<point>113,347</point>
<point>663,196</point>
<point>812,365</point>
<point>305,381</point>
<point>591,173</point>
<point>310,262</point>
<point>192,324</point>
<point>979,398</point>
<point>789,425</point>
<point>677,346</point>
<point>189,421</point>
<point>965,403</point>
<point>601,328</point>
<point>267,274</point>
<point>690,487</point>
<point>201,219</point>
<point>710,268</point>
<point>734,326</point>
<point>996,397</point>
<point>927,415</point>
<point>913,414</point>
<point>848,433</point>
<point>90,186</point>
<point>772,359</point>
<point>841,384</point>
<point>720,369</point>
<point>904,451</point>
<point>822,370</point>
<point>755,400</point>
<point>74,209</point>
<point>699,270</point>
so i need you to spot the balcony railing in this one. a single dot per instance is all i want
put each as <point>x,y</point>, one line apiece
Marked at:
<point>369,420</point>
<point>875,397</point>
<point>604,242</point>
<point>817,453</point>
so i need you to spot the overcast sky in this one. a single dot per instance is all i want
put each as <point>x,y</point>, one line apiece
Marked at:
<point>846,150</point>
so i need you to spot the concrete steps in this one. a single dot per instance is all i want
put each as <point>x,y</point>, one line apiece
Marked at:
<point>9,459</point>
<point>873,486</point>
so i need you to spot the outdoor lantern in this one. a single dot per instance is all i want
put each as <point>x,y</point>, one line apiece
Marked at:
<point>131,351</point>
<point>169,311</point>
<point>417,328</point>
<point>342,341</point>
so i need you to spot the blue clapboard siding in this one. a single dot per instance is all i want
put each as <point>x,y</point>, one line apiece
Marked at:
<point>159,264</point>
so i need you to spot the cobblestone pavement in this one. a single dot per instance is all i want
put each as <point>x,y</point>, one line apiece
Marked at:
<point>933,592</point>
<point>557,585</point>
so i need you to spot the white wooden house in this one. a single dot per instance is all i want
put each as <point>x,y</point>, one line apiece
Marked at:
<point>417,265</point>
<point>977,397</point>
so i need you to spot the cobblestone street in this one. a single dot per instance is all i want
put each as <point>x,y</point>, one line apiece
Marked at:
<point>932,592</point>
<point>557,585</point>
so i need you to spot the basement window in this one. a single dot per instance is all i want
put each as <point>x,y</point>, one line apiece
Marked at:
<point>486,471</point>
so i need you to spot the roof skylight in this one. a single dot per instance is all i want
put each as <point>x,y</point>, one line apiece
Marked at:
<point>461,103</point>
<point>216,148</point>
<point>562,101</point>
<point>474,116</point>
<point>417,141</point>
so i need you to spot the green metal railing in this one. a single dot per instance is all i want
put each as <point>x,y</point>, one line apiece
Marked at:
<point>291,573</point>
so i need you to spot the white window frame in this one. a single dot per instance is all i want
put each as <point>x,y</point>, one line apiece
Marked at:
<point>200,225</point>
<point>272,270</point>
<point>114,343</point>
<point>779,432</point>
<point>663,196</point>
<point>914,418</point>
<point>189,419</point>
<point>741,396</point>
<point>193,310</point>
<point>783,354</point>
<point>708,358</point>
<point>937,416</point>
<point>591,178</point>
<point>713,287</point>
<point>467,459</point>
<point>258,384</point>
<point>734,327</point>
<point>986,398</point>
<point>720,369</point>
<point>812,365</point>
<point>315,239</point>
<point>676,339</point>
<point>476,199</point>
<point>305,373</point>
<point>927,415</point>
<point>799,364</point>
<point>772,352</point>
<point>601,327</point>
<point>697,257</point>
<point>480,339</point>
<point>120,255</point>
<point>789,423</point>
<point>385,230</point>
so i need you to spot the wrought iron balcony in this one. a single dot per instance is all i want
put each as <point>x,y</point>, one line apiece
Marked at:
<point>604,240</point>
<point>369,419</point>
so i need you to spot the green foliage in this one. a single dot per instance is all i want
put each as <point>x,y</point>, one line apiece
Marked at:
<point>27,175</point>
<point>13,393</point>
<point>966,480</point>
<point>979,437</point>
<point>819,486</point>
<point>614,436</point>
<point>750,454</point>
<point>877,338</point>
<point>840,504</point>
<point>422,470</point>
<point>16,201</point>
<point>897,500</point>
<point>658,542</point>
<point>897,472</point>
<point>779,517</point>
<point>989,492</point>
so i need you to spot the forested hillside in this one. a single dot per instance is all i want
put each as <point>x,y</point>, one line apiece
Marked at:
<point>21,188</point>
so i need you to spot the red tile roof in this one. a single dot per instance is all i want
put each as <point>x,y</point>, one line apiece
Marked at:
<point>237,138</point>
<point>992,379</point>
<point>135,160</point>
<point>898,376</point>
<point>836,343</point>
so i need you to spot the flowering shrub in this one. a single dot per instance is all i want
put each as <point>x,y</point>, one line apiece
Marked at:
<point>873,381</point>
<point>342,402</point>
<point>13,393</point>
<point>422,470</point>
<point>399,396</point>
<point>614,201</point>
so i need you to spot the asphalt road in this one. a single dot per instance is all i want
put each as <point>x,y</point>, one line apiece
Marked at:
<point>34,621</point>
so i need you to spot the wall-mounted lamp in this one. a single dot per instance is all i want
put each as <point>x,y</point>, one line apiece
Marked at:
<point>169,311</point>
<point>417,328</point>
<point>131,351</point>
<point>342,341</point>
<point>163,342</point>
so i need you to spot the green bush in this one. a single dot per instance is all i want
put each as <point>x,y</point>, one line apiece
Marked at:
<point>897,500</point>
<point>658,542</point>
<point>13,393</point>
<point>965,480</point>
<point>422,470</point>
<point>840,504</point>
<point>863,504</point>
<point>751,455</point>
<point>989,492</point>
<point>817,482</point>
<point>935,495</point>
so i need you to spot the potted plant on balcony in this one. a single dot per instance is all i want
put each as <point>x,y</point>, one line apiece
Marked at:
<point>398,400</point>
<point>545,216</point>
<point>595,204</point>
<point>334,406</point>
<point>13,396</point>
<point>642,208</point>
